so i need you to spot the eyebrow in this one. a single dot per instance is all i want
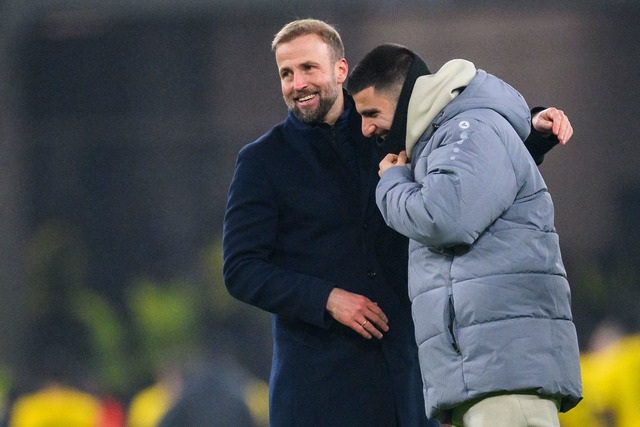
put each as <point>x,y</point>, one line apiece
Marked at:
<point>369,112</point>
<point>307,63</point>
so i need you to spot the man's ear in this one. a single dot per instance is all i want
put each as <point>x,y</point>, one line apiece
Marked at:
<point>342,70</point>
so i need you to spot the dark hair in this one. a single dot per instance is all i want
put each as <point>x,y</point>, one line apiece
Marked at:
<point>385,69</point>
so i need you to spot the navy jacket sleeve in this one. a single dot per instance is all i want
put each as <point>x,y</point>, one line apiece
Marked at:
<point>250,239</point>
<point>538,143</point>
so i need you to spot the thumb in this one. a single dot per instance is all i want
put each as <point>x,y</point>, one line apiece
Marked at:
<point>402,157</point>
<point>543,121</point>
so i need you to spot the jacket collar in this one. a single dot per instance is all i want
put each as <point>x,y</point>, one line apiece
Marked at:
<point>395,140</point>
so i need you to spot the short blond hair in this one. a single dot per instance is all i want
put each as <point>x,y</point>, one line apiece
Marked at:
<point>303,27</point>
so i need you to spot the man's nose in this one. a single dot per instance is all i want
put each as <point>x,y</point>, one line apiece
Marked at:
<point>368,128</point>
<point>299,81</point>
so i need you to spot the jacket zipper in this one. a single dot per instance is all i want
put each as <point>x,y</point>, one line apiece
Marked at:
<point>452,316</point>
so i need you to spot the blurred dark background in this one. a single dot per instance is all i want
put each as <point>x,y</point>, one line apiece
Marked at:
<point>119,126</point>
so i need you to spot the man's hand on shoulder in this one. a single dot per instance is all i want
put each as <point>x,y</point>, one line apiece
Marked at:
<point>553,121</point>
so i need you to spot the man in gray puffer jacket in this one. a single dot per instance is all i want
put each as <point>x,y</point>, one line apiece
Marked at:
<point>490,298</point>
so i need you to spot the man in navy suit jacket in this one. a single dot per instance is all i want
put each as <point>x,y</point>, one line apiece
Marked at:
<point>304,240</point>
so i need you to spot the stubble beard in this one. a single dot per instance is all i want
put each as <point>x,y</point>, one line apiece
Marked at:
<point>328,96</point>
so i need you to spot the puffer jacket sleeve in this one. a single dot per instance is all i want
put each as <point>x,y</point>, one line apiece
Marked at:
<point>468,182</point>
<point>249,240</point>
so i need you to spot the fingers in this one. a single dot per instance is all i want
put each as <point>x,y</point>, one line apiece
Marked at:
<point>391,158</point>
<point>368,330</point>
<point>357,312</point>
<point>541,122</point>
<point>562,128</point>
<point>377,311</point>
<point>373,323</point>
<point>554,121</point>
<point>388,161</point>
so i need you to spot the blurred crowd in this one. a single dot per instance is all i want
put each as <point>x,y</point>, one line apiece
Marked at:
<point>610,380</point>
<point>222,393</point>
<point>217,393</point>
<point>165,354</point>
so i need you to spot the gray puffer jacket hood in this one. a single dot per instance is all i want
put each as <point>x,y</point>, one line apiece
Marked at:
<point>490,297</point>
<point>432,95</point>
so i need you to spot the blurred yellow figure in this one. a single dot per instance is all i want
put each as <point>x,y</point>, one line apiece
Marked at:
<point>56,406</point>
<point>256,396</point>
<point>150,405</point>
<point>611,387</point>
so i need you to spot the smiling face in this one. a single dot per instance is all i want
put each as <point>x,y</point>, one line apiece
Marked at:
<point>377,112</point>
<point>311,79</point>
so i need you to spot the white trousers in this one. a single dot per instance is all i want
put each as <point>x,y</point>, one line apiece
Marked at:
<point>509,410</point>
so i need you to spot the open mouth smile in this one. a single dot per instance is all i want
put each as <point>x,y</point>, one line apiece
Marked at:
<point>306,98</point>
